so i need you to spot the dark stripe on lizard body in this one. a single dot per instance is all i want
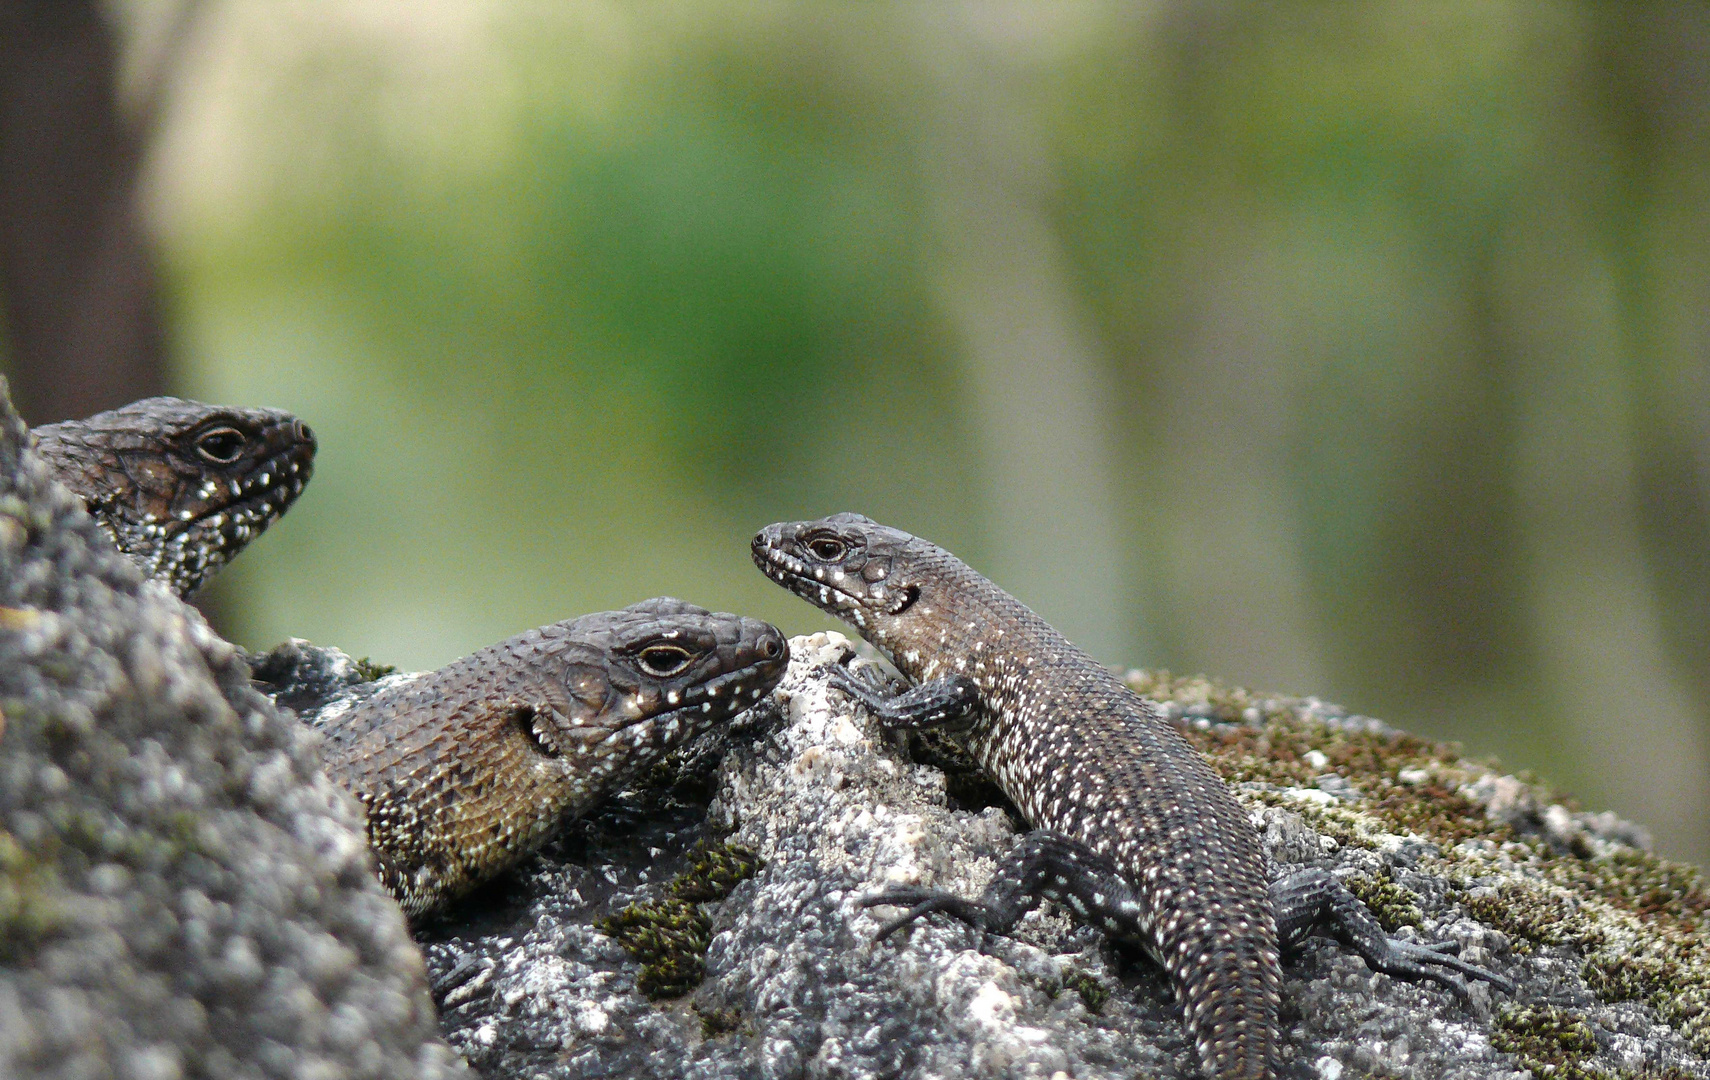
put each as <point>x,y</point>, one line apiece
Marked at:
<point>1135,832</point>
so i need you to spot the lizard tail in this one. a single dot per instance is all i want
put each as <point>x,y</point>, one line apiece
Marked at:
<point>1230,980</point>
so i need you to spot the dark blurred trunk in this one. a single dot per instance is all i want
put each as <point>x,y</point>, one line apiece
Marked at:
<point>78,290</point>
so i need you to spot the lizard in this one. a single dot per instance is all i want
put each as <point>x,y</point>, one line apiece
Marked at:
<point>1132,830</point>
<point>464,771</point>
<point>180,487</point>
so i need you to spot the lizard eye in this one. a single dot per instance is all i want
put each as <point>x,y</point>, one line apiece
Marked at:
<point>222,446</point>
<point>827,548</point>
<point>661,661</point>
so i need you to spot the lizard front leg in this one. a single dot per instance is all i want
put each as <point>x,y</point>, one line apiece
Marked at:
<point>1044,866</point>
<point>947,703</point>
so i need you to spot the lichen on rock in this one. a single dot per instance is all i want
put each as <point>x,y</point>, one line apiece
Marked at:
<point>1593,922</point>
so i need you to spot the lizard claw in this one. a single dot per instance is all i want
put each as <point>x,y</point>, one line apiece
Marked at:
<point>1407,960</point>
<point>839,677</point>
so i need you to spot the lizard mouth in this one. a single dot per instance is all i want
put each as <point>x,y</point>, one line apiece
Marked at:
<point>223,514</point>
<point>240,507</point>
<point>254,501</point>
<point>829,587</point>
<point>693,709</point>
<point>651,734</point>
<point>730,693</point>
<point>826,591</point>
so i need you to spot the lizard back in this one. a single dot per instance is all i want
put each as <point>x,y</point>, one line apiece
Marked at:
<point>1079,754</point>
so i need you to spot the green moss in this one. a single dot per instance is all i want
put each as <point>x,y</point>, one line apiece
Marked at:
<point>1549,1041</point>
<point>1534,916</point>
<point>1631,978</point>
<point>1640,921</point>
<point>29,909</point>
<point>1559,1044</point>
<point>716,1023</point>
<point>84,829</point>
<point>669,937</point>
<point>713,871</point>
<point>1392,905</point>
<point>368,671</point>
<point>1093,993</point>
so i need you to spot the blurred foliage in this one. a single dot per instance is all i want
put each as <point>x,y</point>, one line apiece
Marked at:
<point>1375,331</point>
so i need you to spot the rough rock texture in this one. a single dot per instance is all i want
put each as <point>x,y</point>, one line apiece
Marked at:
<point>182,893</point>
<point>1604,938</point>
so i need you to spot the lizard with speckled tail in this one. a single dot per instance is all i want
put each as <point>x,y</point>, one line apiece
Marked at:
<point>1133,832</point>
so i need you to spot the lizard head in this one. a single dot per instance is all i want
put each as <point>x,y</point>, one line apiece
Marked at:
<point>181,486</point>
<point>847,565</point>
<point>647,679</point>
<point>467,769</point>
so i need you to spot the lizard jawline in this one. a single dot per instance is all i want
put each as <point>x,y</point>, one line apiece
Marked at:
<point>793,575</point>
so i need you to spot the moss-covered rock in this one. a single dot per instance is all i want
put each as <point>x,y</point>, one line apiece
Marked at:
<point>669,937</point>
<point>1521,860</point>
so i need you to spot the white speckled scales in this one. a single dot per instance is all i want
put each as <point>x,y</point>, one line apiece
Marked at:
<point>1080,754</point>
<point>180,487</point>
<point>1133,832</point>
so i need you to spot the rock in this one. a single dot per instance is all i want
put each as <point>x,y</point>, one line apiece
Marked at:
<point>182,893</point>
<point>1605,940</point>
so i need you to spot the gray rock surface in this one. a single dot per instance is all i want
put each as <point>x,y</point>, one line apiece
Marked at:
<point>182,893</point>
<point>797,987</point>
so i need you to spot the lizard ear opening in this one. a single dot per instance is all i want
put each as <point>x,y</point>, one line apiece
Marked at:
<point>527,720</point>
<point>905,598</point>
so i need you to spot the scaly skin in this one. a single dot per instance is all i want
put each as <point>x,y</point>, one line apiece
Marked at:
<point>466,770</point>
<point>180,486</point>
<point>1134,832</point>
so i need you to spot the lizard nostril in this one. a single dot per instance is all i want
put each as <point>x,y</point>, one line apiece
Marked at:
<point>771,648</point>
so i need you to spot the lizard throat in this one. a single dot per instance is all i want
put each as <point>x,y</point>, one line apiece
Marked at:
<point>224,515</point>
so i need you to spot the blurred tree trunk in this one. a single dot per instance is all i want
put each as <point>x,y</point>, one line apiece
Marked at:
<point>78,288</point>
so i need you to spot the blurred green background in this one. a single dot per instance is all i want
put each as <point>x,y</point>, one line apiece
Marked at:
<point>1356,349</point>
